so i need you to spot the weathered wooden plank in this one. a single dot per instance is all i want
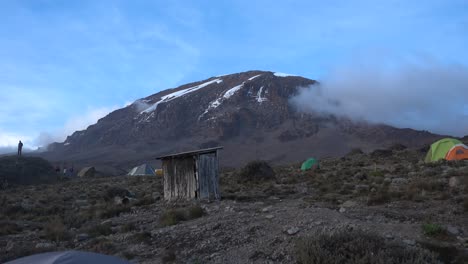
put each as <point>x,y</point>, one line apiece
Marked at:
<point>208,176</point>
<point>179,178</point>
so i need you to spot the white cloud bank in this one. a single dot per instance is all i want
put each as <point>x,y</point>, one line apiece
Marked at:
<point>9,140</point>
<point>429,96</point>
<point>74,123</point>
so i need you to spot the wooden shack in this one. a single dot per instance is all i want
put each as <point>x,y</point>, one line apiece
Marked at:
<point>191,175</point>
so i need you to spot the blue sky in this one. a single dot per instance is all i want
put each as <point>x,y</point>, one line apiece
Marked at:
<point>63,64</point>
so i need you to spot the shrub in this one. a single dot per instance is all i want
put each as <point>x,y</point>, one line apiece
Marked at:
<point>103,245</point>
<point>113,211</point>
<point>376,173</point>
<point>147,200</point>
<point>143,237</point>
<point>357,246</point>
<point>172,217</point>
<point>169,256</point>
<point>431,229</point>
<point>256,171</point>
<point>9,228</point>
<point>55,230</point>
<point>355,151</point>
<point>100,230</point>
<point>115,191</point>
<point>195,212</point>
<point>379,197</point>
<point>129,255</point>
<point>128,227</point>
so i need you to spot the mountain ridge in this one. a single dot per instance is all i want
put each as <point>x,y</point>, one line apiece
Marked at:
<point>249,113</point>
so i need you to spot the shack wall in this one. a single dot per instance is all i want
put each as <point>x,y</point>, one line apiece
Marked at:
<point>208,180</point>
<point>179,178</point>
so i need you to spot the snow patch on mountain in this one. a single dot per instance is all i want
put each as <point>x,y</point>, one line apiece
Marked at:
<point>259,97</point>
<point>218,101</point>
<point>280,74</point>
<point>251,78</point>
<point>233,90</point>
<point>177,94</point>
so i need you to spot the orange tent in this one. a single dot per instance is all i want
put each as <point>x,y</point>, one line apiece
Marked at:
<point>457,152</point>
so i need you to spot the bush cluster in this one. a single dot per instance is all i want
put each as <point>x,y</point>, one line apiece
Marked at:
<point>256,171</point>
<point>357,246</point>
<point>174,216</point>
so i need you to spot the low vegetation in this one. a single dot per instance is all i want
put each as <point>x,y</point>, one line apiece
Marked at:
<point>357,246</point>
<point>175,216</point>
<point>55,230</point>
<point>431,229</point>
<point>256,171</point>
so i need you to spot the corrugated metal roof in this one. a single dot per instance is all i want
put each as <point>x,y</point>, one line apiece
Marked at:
<point>190,153</point>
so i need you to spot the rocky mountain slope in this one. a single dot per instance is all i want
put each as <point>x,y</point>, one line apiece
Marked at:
<point>248,113</point>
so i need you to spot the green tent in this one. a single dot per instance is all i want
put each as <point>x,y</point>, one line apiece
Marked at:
<point>440,148</point>
<point>309,164</point>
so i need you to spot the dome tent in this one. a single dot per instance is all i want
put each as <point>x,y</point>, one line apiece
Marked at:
<point>447,148</point>
<point>69,257</point>
<point>309,164</point>
<point>142,170</point>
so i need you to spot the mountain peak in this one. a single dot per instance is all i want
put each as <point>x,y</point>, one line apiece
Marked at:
<point>247,112</point>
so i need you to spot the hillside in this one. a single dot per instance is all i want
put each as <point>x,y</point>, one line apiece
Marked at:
<point>389,203</point>
<point>248,113</point>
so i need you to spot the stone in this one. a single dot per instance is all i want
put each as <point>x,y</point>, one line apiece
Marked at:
<point>388,236</point>
<point>342,210</point>
<point>409,242</point>
<point>106,222</point>
<point>44,245</point>
<point>82,237</point>
<point>118,200</point>
<point>362,187</point>
<point>292,231</point>
<point>156,196</point>
<point>81,203</point>
<point>349,203</point>
<point>399,181</point>
<point>454,182</point>
<point>453,230</point>
<point>214,255</point>
<point>10,245</point>
<point>269,216</point>
<point>266,209</point>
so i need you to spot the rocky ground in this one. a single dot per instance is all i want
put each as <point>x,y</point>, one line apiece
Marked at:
<point>389,195</point>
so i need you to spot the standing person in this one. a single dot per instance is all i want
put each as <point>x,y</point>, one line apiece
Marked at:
<point>20,148</point>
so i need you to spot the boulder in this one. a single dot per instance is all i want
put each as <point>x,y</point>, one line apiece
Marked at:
<point>454,182</point>
<point>292,231</point>
<point>349,203</point>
